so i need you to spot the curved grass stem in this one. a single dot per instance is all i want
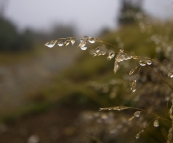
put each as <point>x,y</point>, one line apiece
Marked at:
<point>161,77</point>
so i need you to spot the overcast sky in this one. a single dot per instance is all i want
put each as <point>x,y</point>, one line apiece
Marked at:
<point>88,16</point>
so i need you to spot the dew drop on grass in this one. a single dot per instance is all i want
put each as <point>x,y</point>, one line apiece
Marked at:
<point>82,44</point>
<point>66,43</point>
<point>122,57</point>
<point>115,66</point>
<point>170,74</point>
<point>142,63</point>
<point>149,62</point>
<point>51,44</point>
<point>111,55</point>
<point>97,50</point>
<point>133,88</point>
<point>156,123</point>
<point>72,40</point>
<point>91,40</point>
<point>137,114</point>
<point>83,48</point>
<point>60,43</point>
<point>128,57</point>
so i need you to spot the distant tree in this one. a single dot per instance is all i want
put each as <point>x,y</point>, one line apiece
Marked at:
<point>8,35</point>
<point>25,40</point>
<point>3,6</point>
<point>11,39</point>
<point>128,10</point>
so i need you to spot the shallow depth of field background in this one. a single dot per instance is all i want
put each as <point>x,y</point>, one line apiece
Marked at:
<point>53,95</point>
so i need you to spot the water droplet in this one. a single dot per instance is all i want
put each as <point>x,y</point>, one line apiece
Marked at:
<point>111,55</point>
<point>142,63</point>
<point>60,43</point>
<point>51,44</point>
<point>149,62</point>
<point>94,54</point>
<point>66,43</point>
<point>137,136</point>
<point>133,88</point>
<point>115,66</point>
<point>83,48</point>
<point>170,74</point>
<point>132,70</point>
<point>156,123</point>
<point>97,50</point>
<point>137,113</point>
<point>82,44</point>
<point>122,58</point>
<point>118,58</point>
<point>91,40</point>
<point>130,57</point>
<point>73,40</point>
<point>127,57</point>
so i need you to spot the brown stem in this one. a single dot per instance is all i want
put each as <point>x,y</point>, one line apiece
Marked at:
<point>161,77</point>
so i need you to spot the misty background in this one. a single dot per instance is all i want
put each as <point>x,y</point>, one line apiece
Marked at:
<point>86,17</point>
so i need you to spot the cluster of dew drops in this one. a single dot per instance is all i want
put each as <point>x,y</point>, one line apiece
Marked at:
<point>121,55</point>
<point>66,41</point>
<point>135,115</point>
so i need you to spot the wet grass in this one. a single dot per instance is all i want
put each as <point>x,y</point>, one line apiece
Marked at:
<point>72,84</point>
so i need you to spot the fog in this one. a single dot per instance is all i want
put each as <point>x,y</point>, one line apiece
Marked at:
<point>88,17</point>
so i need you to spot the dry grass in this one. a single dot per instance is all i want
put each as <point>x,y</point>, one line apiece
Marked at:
<point>147,74</point>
